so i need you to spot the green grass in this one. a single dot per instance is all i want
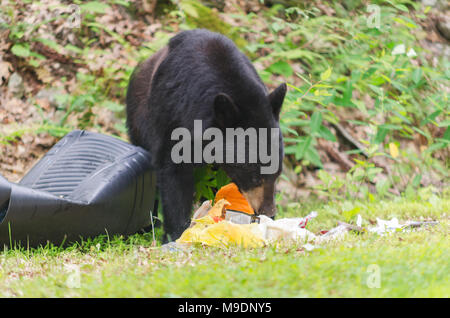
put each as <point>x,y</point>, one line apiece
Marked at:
<point>410,264</point>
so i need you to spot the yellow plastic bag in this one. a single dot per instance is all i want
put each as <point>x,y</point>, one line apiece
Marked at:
<point>213,230</point>
<point>223,234</point>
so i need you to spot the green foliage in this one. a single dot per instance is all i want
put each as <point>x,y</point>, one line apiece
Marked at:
<point>334,64</point>
<point>197,15</point>
<point>345,59</point>
<point>207,181</point>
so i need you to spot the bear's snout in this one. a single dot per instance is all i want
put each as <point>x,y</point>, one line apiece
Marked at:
<point>262,199</point>
<point>268,210</point>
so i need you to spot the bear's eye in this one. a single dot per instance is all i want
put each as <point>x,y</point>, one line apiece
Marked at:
<point>256,180</point>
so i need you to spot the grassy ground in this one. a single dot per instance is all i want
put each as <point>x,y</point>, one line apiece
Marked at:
<point>403,264</point>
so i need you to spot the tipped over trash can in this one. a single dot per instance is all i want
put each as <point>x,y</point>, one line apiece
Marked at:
<point>88,184</point>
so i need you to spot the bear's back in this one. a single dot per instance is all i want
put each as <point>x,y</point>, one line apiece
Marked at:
<point>215,54</point>
<point>199,65</point>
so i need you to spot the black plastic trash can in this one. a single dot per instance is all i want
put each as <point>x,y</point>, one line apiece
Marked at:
<point>88,184</point>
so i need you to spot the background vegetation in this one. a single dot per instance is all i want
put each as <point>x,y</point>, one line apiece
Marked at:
<point>366,118</point>
<point>366,112</point>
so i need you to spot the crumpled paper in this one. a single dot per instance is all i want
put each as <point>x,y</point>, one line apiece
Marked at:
<point>286,229</point>
<point>393,225</point>
<point>384,226</point>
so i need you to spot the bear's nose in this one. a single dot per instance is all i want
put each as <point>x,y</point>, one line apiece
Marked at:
<point>267,210</point>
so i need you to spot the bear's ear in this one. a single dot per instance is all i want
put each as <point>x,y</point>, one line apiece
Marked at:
<point>276,99</point>
<point>226,111</point>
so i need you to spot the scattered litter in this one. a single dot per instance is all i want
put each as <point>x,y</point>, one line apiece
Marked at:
<point>335,233</point>
<point>393,225</point>
<point>384,226</point>
<point>214,229</point>
<point>173,247</point>
<point>309,247</point>
<point>305,220</point>
<point>414,224</point>
<point>411,53</point>
<point>350,227</point>
<point>238,217</point>
<point>399,49</point>
<point>359,220</point>
<point>218,225</point>
<point>223,234</point>
<point>201,212</point>
<point>235,198</point>
<point>339,231</point>
<point>284,229</point>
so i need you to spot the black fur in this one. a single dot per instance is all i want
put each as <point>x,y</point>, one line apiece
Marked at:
<point>201,75</point>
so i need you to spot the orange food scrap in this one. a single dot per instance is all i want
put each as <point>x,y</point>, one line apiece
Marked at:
<point>237,201</point>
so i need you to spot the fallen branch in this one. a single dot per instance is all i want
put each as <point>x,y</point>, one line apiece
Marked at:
<point>53,55</point>
<point>347,136</point>
<point>342,159</point>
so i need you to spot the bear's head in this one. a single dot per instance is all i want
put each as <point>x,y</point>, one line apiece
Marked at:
<point>253,156</point>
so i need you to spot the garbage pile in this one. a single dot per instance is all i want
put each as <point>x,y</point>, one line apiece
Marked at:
<point>234,223</point>
<point>217,226</point>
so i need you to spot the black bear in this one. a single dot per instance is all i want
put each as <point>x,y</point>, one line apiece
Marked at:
<point>201,75</point>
